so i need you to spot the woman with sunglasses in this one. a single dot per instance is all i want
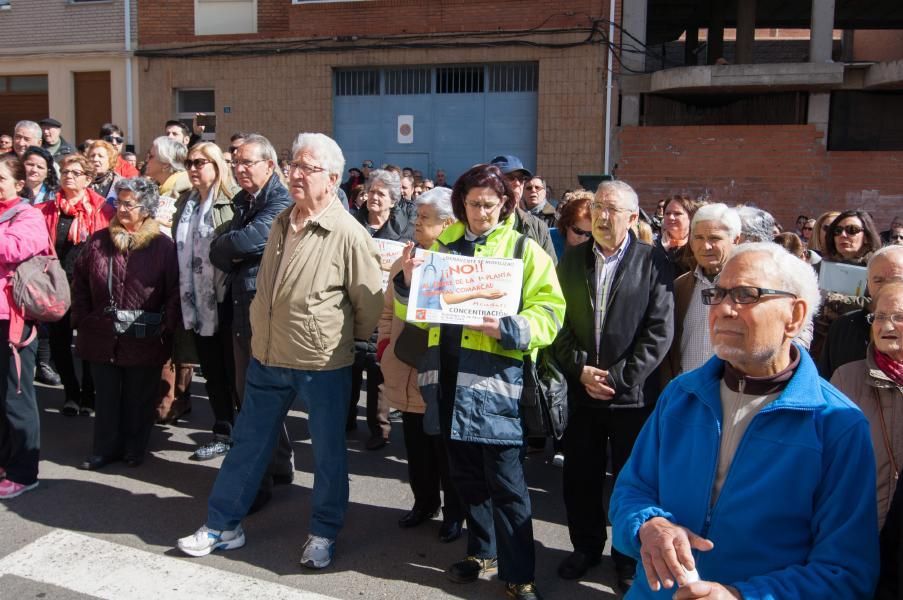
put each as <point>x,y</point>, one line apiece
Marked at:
<point>41,180</point>
<point>102,156</point>
<point>851,239</point>
<point>575,224</point>
<point>72,218</point>
<point>202,213</point>
<point>112,134</point>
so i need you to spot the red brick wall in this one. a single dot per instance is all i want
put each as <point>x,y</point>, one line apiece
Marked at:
<point>172,21</point>
<point>782,168</point>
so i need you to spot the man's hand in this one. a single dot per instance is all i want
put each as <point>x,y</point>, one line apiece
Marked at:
<point>489,326</point>
<point>708,590</point>
<point>594,380</point>
<point>666,550</point>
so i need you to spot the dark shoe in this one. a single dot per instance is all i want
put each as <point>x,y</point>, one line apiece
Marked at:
<point>132,461</point>
<point>576,565</point>
<point>284,478</point>
<point>470,569</point>
<point>70,408</point>
<point>522,591</point>
<point>86,411</point>
<point>174,416</point>
<point>415,517</point>
<point>95,462</point>
<point>376,442</point>
<point>626,575</point>
<point>45,374</point>
<point>450,531</point>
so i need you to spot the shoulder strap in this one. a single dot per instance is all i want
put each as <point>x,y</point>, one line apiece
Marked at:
<point>10,214</point>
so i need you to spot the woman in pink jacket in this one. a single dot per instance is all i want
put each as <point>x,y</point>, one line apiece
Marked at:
<point>23,234</point>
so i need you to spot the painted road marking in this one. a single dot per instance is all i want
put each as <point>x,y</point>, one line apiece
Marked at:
<point>112,571</point>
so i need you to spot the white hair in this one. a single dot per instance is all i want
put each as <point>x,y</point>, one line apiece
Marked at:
<point>324,148</point>
<point>623,191</point>
<point>170,152</point>
<point>791,273</point>
<point>757,225</point>
<point>719,213</point>
<point>31,126</point>
<point>884,251</point>
<point>387,179</point>
<point>440,198</point>
<point>265,149</point>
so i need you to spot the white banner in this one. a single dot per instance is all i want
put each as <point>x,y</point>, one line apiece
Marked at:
<point>389,252</point>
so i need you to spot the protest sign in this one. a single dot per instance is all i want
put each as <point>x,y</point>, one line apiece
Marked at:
<point>453,289</point>
<point>389,252</point>
<point>842,278</point>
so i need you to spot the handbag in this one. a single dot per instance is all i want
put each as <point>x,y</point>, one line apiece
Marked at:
<point>411,344</point>
<point>133,323</point>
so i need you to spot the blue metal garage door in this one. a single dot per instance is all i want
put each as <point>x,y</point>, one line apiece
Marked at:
<point>430,118</point>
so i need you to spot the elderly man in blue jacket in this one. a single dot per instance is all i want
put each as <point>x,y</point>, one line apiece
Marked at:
<point>752,478</point>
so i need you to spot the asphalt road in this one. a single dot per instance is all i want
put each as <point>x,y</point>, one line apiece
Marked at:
<point>111,534</point>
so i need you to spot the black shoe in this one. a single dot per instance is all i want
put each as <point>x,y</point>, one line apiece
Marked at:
<point>522,591</point>
<point>376,442</point>
<point>470,569</point>
<point>45,374</point>
<point>284,478</point>
<point>132,460</point>
<point>70,408</point>
<point>415,517</point>
<point>576,565</point>
<point>626,575</point>
<point>450,531</point>
<point>95,462</point>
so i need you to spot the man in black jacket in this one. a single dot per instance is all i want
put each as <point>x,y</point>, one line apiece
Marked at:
<point>53,142</point>
<point>618,328</point>
<point>238,253</point>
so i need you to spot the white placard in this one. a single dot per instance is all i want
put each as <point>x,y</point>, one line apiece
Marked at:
<point>842,278</point>
<point>389,252</point>
<point>405,129</point>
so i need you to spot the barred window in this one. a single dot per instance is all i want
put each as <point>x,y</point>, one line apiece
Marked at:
<point>459,80</point>
<point>399,82</point>
<point>359,82</point>
<point>513,78</point>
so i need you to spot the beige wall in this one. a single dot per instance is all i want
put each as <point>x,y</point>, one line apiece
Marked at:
<point>280,96</point>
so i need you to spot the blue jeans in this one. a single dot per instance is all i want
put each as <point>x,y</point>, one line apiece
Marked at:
<point>269,393</point>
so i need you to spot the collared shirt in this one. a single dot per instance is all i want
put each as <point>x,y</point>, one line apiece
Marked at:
<point>606,267</point>
<point>695,344</point>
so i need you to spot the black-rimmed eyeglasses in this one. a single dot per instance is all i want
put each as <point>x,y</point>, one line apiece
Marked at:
<point>742,294</point>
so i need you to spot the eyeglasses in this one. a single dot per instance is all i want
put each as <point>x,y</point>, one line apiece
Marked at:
<point>604,208</point>
<point>895,318</point>
<point>806,229</point>
<point>367,164</point>
<point>537,188</point>
<point>197,163</point>
<point>743,294</point>
<point>896,238</point>
<point>126,205</point>
<point>850,230</point>
<point>488,207</point>
<point>73,172</point>
<point>113,139</point>
<point>305,168</point>
<point>516,178</point>
<point>581,232</point>
<point>247,164</point>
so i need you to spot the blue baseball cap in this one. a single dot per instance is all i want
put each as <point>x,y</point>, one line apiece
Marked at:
<point>508,163</point>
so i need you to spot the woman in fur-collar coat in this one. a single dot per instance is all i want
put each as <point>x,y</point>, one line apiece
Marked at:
<point>125,306</point>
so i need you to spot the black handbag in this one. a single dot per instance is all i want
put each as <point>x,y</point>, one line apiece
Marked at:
<point>133,323</point>
<point>411,344</point>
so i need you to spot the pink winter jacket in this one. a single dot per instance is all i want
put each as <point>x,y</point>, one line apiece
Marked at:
<point>22,237</point>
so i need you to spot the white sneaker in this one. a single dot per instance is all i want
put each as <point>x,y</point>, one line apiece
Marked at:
<point>317,552</point>
<point>558,459</point>
<point>204,541</point>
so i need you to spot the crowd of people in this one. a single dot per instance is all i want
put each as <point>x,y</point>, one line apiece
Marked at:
<point>746,398</point>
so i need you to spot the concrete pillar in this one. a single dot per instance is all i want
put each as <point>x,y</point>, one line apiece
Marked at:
<point>746,31</point>
<point>821,29</point>
<point>633,21</point>
<point>819,113</point>
<point>716,32</point>
<point>690,46</point>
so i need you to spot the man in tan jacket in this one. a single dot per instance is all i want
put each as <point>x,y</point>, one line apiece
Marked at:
<point>318,288</point>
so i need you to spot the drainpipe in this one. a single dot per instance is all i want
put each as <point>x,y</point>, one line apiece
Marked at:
<point>608,88</point>
<point>129,113</point>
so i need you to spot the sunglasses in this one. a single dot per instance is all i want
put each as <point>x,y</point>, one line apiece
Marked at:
<point>580,232</point>
<point>897,238</point>
<point>850,230</point>
<point>113,139</point>
<point>197,163</point>
<point>807,229</point>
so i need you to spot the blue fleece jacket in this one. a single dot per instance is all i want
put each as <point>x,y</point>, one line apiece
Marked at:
<point>796,517</point>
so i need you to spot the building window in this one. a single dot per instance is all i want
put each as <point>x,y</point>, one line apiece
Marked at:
<point>402,82</point>
<point>4,5</point>
<point>223,17</point>
<point>780,108</point>
<point>24,84</point>
<point>866,121</point>
<point>191,102</point>
<point>513,78</point>
<point>357,82</point>
<point>459,80</point>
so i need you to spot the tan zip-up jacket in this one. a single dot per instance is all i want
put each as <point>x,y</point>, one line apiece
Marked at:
<point>330,294</point>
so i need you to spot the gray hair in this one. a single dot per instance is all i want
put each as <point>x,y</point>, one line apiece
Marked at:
<point>719,213</point>
<point>146,192</point>
<point>388,179</point>
<point>170,152</point>
<point>440,198</point>
<point>792,274</point>
<point>265,148</point>
<point>623,191</point>
<point>884,251</point>
<point>756,225</point>
<point>325,149</point>
<point>34,127</point>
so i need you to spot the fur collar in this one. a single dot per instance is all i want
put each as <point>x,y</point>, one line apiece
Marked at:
<point>125,241</point>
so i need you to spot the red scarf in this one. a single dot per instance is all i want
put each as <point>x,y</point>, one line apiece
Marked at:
<point>82,220</point>
<point>890,367</point>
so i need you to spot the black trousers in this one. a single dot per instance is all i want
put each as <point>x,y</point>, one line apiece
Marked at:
<point>586,455</point>
<point>20,425</point>
<point>125,409</point>
<point>428,469</point>
<point>218,363</point>
<point>61,352</point>
<point>377,415</point>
